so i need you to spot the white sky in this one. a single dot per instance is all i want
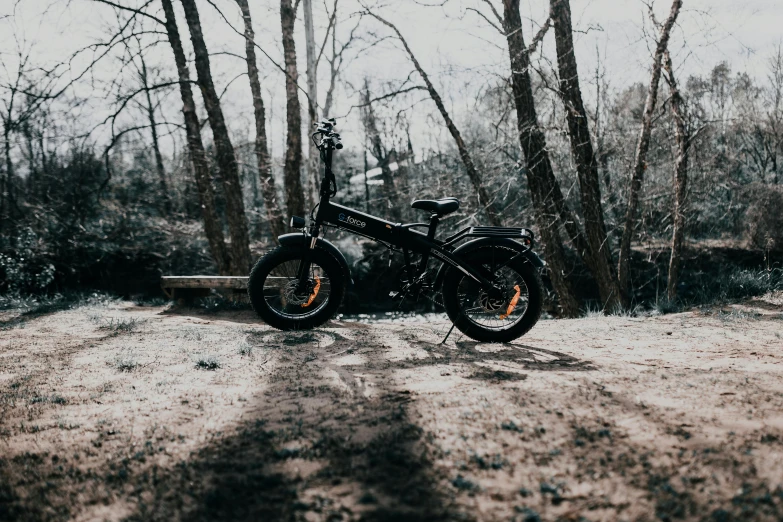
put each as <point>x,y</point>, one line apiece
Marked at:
<point>460,51</point>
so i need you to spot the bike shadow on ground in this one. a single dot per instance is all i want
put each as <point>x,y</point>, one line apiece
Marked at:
<point>516,357</point>
<point>241,313</point>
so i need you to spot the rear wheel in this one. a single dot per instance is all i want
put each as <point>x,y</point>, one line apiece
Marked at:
<point>486,318</point>
<point>274,290</point>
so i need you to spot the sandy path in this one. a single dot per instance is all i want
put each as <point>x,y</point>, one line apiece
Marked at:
<point>111,412</point>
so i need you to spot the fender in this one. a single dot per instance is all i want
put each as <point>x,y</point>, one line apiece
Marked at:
<point>529,256</point>
<point>303,240</point>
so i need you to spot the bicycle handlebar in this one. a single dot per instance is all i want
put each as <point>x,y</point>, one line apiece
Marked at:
<point>329,138</point>
<point>329,141</point>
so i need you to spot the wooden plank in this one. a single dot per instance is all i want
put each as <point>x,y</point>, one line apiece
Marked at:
<point>236,282</point>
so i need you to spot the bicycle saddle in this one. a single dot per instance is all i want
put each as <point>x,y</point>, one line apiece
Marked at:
<point>440,207</point>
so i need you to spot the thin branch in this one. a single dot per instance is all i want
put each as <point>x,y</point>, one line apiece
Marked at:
<point>132,10</point>
<point>391,95</point>
<point>326,36</point>
<point>490,22</point>
<point>494,11</point>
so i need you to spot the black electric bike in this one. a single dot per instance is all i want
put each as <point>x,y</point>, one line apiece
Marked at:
<point>490,285</point>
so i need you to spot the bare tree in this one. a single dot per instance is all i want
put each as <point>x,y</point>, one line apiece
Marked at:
<point>293,155</point>
<point>312,99</point>
<point>486,201</point>
<point>643,145</point>
<point>15,113</point>
<point>226,159</point>
<point>336,58</point>
<point>598,256</point>
<point>774,119</point>
<point>544,189</point>
<point>150,110</point>
<point>212,226</point>
<point>29,90</point>
<point>381,155</point>
<point>268,190</point>
<point>683,139</point>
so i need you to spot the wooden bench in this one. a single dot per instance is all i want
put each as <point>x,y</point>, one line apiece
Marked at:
<point>190,287</point>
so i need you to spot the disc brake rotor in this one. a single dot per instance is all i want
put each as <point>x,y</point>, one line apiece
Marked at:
<point>292,297</point>
<point>489,304</point>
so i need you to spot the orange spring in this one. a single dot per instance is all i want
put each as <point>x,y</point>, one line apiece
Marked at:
<point>512,304</point>
<point>318,287</point>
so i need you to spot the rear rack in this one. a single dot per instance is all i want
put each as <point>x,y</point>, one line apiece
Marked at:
<point>517,233</point>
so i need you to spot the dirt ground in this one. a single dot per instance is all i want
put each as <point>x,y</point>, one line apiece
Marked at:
<point>112,411</point>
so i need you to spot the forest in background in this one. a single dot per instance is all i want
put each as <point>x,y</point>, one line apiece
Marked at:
<point>663,193</point>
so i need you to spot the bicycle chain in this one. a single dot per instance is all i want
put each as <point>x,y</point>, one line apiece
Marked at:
<point>426,295</point>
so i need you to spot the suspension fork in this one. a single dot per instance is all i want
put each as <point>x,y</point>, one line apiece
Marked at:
<point>315,227</point>
<point>303,272</point>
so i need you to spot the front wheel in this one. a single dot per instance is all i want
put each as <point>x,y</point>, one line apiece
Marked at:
<point>483,317</point>
<point>277,297</point>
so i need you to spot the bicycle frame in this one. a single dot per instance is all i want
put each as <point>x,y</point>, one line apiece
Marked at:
<point>401,237</point>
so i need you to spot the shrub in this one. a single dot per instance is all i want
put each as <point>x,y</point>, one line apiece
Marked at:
<point>764,219</point>
<point>24,267</point>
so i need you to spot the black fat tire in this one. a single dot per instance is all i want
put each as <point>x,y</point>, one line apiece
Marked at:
<point>281,254</point>
<point>530,275</point>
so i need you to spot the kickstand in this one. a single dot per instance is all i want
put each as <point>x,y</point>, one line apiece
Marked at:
<point>447,335</point>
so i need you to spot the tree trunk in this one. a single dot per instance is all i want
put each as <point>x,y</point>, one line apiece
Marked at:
<point>8,189</point>
<point>226,159</point>
<point>212,226</point>
<point>333,68</point>
<point>391,194</point>
<point>273,213</point>
<point>543,186</point>
<point>642,146</point>
<point>293,154</point>
<point>682,137</point>
<point>366,185</point>
<point>486,202</point>
<point>164,187</point>
<point>313,178</point>
<point>598,256</point>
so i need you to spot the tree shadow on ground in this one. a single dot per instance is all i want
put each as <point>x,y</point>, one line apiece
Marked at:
<point>318,449</point>
<point>312,448</point>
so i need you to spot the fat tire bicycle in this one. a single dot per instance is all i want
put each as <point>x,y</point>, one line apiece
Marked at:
<point>490,284</point>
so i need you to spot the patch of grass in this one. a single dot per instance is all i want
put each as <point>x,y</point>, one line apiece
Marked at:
<point>245,348</point>
<point>738,315</point>
<point>37,306</point>
<point>464,484</point>
<point>31,304</point>
<point>119,326</point>
<point>592,312</point>
<point>150,301</point>
<point>208,363</point>
<point>192,334</point>
<point>54,399</point>
<point>125,363</point>
<point>620,311</point>
<point>738,283</point>
<point>664,306</point>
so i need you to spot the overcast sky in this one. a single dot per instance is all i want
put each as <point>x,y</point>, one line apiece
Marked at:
<point>460,50</point>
